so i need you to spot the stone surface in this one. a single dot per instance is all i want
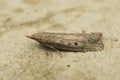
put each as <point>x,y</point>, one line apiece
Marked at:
<point>24,59</point>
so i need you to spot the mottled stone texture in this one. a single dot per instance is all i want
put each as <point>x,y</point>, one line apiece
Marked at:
<point>24,59</point>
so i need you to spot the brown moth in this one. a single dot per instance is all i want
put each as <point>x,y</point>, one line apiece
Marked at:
<point>82,42</point>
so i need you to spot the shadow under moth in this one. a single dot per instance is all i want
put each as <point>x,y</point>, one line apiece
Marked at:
<point>77,42</point>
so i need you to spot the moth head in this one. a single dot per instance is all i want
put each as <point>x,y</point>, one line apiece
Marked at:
<point>40,37</point>
<point>34,37</point>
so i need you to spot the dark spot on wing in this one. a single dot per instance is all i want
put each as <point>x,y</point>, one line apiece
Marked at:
<point>76,43</point>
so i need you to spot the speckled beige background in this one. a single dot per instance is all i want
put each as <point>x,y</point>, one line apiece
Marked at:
<point>24,59</point>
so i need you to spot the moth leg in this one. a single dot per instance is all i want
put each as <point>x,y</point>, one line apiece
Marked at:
<point>49,46</point>
<point>52,47</point>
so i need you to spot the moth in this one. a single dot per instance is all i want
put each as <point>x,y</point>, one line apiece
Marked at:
<point>77,42</point>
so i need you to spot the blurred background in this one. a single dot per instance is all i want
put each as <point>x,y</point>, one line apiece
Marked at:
<point>24,59</point>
